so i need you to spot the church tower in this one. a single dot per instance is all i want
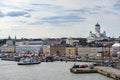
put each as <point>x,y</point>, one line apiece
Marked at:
<point>97,35</point>
<point>97,28</point>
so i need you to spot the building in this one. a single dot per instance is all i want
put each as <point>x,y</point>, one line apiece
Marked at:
<point>97,35</point>
<point>22,42</point>
<point>29,42</point>
<point>71,51</point>
<point>7,49</point>
<point>72,42</point>
<point>29,49</point>
<point>89,51</point>
<point>52,41</point>
<point>63,50</point>
<point>9,42</point>
<point>46,50</point>
<point>35,42</point>
<point>58,50</point>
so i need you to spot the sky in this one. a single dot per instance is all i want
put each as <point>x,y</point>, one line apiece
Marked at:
<point>58,18</point>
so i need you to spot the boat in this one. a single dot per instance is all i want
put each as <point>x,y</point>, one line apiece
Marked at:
<point>84,68</point>
<point>29,61</point>
<point>17,58</point>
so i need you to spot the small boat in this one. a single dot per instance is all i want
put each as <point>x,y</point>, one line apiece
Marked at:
<point>29,61</point>
<point>83,69</point>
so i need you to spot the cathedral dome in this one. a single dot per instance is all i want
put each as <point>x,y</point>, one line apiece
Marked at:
<point>97,25</point>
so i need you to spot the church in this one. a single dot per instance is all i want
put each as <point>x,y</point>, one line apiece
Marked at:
<point>97,36</point>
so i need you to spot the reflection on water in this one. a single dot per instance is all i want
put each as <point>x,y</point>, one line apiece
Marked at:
<point>9,70</point>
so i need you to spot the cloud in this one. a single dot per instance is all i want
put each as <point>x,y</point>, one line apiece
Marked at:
<point>117,5</point>
<point>1,14</point>
<point>16,13</point>
<point>27,15</point>
<point>30,10</point>
<point>79,11</point>
<point>58,14</point>
<point>86,10</point>
<point>60,19</point>
<point>23,21</point>
<point>48,7</point>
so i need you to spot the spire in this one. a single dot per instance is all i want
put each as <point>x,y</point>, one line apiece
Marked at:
<point>9,37</point>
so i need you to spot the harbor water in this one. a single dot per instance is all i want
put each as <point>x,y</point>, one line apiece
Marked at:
<point>9,70</point>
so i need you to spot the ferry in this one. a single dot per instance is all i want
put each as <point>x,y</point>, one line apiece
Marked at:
<point>29,61</point>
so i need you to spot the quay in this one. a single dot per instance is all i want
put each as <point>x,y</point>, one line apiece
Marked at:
<point>83,70</point>
<point>106,71</point>
<point>8,59</point>
<point>109,72</point>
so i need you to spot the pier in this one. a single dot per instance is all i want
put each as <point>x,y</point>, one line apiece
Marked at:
<point>109,72</point>
<point>106,71</point>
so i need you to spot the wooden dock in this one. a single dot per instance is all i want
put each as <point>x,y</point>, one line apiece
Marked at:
<point>109,72</point>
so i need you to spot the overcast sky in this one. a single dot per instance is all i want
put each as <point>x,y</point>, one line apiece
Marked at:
<point>58,18</point>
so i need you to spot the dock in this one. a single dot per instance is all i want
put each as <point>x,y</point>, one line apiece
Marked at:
<point>83,70</point>
<point>109,72</point>
<point>106,71</point>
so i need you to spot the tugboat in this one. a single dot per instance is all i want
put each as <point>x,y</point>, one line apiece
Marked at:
<point>29,60</point>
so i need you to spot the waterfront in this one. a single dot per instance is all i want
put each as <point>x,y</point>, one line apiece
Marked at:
<point>9,70</point>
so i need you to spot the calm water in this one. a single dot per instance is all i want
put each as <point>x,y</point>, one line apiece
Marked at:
<point>9,70</point>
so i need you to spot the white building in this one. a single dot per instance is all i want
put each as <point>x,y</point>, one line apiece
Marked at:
<point>33,46</point>
<point>97,35</point>
<point>26,42</point>
<point>29,49</point>
<point>72,41</point>
<point>35,42</point>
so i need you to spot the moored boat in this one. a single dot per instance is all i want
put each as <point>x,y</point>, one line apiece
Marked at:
<point>29,61</point>
<point>83,69</point>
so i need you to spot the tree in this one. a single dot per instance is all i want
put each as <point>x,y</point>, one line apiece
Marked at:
<point>63,42</point>
<point>91,44</point>
<point>83,41</point>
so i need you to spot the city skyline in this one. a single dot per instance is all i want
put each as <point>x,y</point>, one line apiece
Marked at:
<point>58,18</point>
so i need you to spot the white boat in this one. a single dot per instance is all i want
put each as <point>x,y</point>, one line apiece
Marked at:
<point>29,61</point>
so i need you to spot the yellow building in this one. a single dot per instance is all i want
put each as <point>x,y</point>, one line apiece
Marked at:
<point>7,49</point>
<point>71,51</point>
<point>46,50</point>
<point>63,50</point>
<point>9,42</point>
<point>57,50</point>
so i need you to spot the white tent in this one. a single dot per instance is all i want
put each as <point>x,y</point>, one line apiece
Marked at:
<point>116,45</point>
<point>115,48</point>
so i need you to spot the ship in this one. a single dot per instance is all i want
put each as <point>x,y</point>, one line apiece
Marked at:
<point>29,60</point>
